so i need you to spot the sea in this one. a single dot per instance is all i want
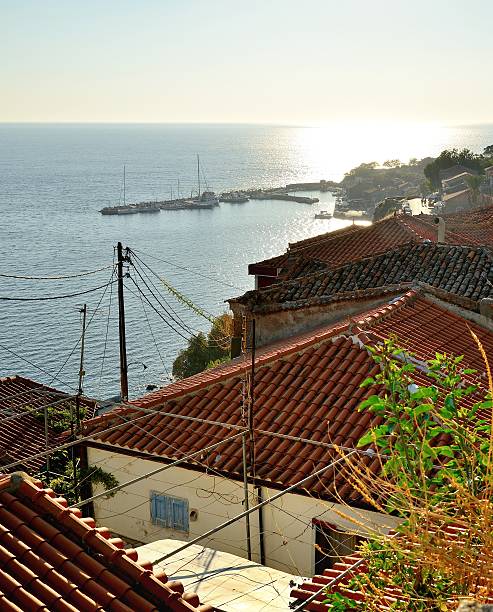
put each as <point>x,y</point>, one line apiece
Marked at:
<point>54,179</point>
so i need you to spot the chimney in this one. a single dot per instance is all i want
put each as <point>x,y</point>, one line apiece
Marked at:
<point>486,307</point>
<point>440,222</point>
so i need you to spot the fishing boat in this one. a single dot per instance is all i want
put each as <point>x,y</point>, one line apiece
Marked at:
<point>323,214</point>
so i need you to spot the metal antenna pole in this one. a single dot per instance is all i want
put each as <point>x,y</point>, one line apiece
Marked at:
<point>121,326</point>
<point>247,505</point>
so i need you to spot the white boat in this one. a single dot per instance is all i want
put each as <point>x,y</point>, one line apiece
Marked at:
<point>323,214</point>
<point>235,197</point>
<point>206,199</point>
<point>120,209</point>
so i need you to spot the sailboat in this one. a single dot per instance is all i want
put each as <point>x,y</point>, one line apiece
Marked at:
<point>120,209</point>
<point>205,199</point>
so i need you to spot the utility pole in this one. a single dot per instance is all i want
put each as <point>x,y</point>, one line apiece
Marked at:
<point>121,326</point>
<point>83,311</point>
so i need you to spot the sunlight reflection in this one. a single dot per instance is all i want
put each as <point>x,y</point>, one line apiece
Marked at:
<point>330,151</point>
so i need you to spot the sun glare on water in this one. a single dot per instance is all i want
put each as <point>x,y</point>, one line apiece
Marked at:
<point>332,150</point>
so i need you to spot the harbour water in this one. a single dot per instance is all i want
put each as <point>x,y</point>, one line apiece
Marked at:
<point>55,178</point>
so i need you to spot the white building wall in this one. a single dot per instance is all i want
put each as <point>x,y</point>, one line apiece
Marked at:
<point>288,532</point>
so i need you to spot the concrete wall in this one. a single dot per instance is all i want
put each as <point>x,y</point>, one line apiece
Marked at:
<point>288,532</point>
<point>286,323</point>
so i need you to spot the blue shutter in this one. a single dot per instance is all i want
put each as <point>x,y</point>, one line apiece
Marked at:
<point>170,512</point>
<point>180,514</point>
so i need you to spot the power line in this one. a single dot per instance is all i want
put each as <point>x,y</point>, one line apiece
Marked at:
<point>178,322</point>
<point>5,348</point>
<point>252,509</point>
<point>154,286</point>
<point>158,470</point>
<point>109,284</point>
<point>53,297</point>
<point>78,275</point>
<point>216,280</point>
<point>157,311</point>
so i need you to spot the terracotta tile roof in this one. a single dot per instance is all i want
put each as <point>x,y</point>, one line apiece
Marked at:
<point>352,243</point>
<point>463,271</point>
<point>337,578</point>
<point>300,384</point>
<point>25,435</point>
<point>52,559</point>
<point>471,228</point>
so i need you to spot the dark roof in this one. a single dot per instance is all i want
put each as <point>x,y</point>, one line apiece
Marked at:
<point>472,228</point>
<point>464,271</point>
<point>52,559</point>
<point>24,435</point>
<point>302,386</point>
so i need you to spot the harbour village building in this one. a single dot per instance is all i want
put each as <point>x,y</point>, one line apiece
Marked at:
<point>308,367</point>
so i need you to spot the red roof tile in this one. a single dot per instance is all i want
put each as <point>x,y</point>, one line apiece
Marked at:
<point>336,580</point>
<point>471,228</point>
<point>300,384</point>
<point>24,435</point>
<point>52,559</point>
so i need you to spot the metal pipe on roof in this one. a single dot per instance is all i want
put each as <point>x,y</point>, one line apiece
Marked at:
<point>245,487</point>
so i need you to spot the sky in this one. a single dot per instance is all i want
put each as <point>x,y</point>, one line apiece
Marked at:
<point>290,62</point>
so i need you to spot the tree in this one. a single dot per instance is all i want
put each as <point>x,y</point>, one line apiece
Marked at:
<point>436,450</point>
<point>392,163</point>
<point>203,350</point>
<point>60,477</point>
<point>474,183</point>
<point>488,151</point>
<point>363,169</point>
<point>449,158</point>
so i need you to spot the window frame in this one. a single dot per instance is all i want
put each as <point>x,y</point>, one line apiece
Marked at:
<point>170,512</point>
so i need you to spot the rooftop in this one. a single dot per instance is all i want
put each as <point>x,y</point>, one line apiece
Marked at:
<point>52,559</point>
<point>337,578</point>
<point>301,385</point>
<point>472,228</point>
<point>465,272</point>
<point>209,573</point>
<point>25,434</point>
<point>456,194</point>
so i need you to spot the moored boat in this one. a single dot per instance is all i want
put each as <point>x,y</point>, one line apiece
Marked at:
<point>323,214</point>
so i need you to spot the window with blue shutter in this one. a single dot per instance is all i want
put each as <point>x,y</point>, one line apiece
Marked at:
<point>170,512</point>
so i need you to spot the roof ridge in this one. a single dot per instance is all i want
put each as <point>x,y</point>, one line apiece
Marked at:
<point>384,311</point>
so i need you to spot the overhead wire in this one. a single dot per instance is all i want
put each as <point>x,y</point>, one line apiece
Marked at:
<point>63,277</point>
<point>37,367</point>
<point>109,284</point>
<point>154,338</point>
<point>187,301</point>
<point>52,297</point>
<point>106,334</point>
<point>178,321</point>
<point>157,311</point>
<point>168,305</point>
<point>184,268</point>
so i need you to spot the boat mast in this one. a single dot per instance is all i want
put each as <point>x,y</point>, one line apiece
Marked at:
<point>198,172</point>
<point>124,181</point>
